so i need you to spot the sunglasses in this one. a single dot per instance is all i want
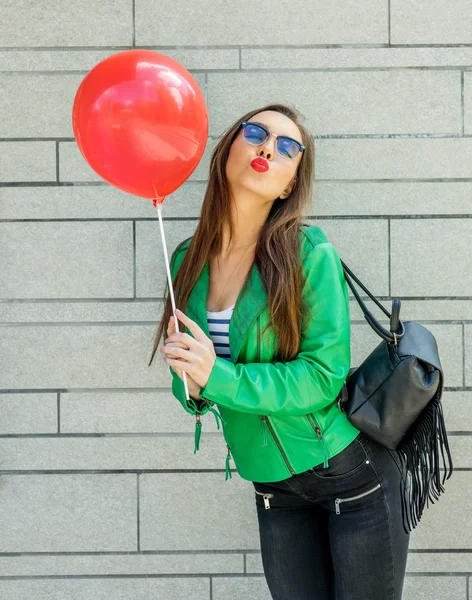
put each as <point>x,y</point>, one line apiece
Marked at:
<point>257,134</point>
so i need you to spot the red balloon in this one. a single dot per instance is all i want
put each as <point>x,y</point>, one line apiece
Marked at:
<point>140,121</point>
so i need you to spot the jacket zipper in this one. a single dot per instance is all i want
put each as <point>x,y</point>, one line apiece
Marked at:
<point>315,425</point>
<point>338,501</point>
<point>264,418</point>
<point>266,498</point>
<point>267,423</point>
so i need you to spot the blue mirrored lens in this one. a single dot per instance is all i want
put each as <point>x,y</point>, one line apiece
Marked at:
<point>287,147</point>
<point>254,134</point>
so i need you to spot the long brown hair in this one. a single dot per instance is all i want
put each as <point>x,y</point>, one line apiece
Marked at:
<point>277,249</point>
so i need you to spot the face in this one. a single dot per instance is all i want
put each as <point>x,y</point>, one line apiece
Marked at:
<point>279,179</point>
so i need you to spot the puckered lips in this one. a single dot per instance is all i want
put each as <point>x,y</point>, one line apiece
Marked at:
<point>260,164</point>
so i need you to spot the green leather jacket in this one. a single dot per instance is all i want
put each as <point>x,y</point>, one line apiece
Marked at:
<point>279,418</point>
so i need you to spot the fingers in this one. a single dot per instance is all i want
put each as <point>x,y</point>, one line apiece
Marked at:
<point>176,345</point>
<point>179,337</point>
<point>179,352</point>
<point>195,329</point>
<point>184,342</point>
<point>171,326</point>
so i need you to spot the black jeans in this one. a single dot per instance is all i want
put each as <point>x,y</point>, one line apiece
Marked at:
<point>336,533</point>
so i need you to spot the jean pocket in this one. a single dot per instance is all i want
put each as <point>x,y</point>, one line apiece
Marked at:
<point>348,462</point>
<point>354,499</point>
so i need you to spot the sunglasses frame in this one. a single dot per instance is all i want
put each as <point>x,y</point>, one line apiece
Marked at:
<point>301,147</point>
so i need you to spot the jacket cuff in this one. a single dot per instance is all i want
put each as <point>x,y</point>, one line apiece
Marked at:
<point>191,405</point>
<point>221,375</point>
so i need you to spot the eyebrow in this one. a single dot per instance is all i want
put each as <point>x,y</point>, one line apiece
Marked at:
<point>267,127</point>
<point>260,123</point>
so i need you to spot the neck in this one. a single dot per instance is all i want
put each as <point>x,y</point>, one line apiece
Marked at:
<point>248,219</point>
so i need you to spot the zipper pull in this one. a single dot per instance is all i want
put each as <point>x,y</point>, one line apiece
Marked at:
<point>198,432</point>
<point>217,416</point>
<point>264,430</point>
<point>228,470</point>
<point>265,497</point>
<point>325,449</point>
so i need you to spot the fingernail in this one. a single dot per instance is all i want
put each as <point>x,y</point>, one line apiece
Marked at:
<point>178,311</point>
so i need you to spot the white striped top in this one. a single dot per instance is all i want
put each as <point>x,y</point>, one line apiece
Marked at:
<point>218,326</point>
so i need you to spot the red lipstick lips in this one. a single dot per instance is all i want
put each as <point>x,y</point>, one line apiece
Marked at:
<point>260,164</point>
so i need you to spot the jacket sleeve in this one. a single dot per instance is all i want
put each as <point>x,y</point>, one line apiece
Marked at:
<point>191,405</point>
<point>315,377</point>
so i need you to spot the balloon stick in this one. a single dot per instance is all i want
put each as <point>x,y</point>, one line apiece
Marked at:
<point>157,203</point>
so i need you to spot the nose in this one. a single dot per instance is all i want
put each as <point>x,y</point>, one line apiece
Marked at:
<point>268,147</point>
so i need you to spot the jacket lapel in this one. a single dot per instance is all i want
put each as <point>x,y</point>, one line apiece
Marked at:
<point>251,301</point>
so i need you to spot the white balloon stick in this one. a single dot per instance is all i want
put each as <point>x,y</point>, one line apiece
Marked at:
<point>171,288</point>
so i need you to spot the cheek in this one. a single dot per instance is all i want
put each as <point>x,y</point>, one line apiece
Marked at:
<point>286,173</point>
<point>238,154</point>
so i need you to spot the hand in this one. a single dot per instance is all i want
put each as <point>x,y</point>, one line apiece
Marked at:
<point>193,387</point>
<point>200,357</point>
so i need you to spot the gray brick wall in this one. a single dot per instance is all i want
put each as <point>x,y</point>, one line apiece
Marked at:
<point>100,492</point>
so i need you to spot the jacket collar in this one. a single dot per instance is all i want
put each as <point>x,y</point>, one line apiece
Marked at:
<point>251,301</point>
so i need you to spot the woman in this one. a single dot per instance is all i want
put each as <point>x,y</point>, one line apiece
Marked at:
<point>265,312</point>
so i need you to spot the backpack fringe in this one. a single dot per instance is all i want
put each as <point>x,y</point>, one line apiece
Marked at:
<point>418,452</point>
